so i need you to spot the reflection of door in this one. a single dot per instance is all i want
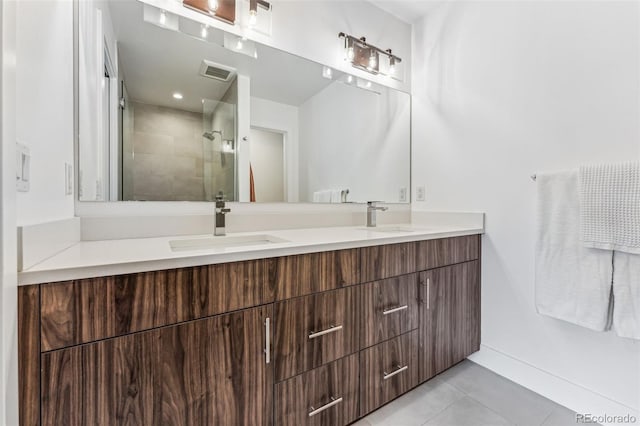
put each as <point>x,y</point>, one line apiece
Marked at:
<point>267,163</point>
<point>126,120</point>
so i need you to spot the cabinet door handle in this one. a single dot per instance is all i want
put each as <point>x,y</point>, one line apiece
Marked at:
<point>331,329</point>
<point>267,349</point>
<point>334,401</point>
<point>428,298</point>
<point>397,309</point>
<point>393,373</point>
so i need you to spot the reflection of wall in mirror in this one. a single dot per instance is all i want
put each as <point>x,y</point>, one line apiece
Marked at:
<point>356,139</point>
<point>167,159</point>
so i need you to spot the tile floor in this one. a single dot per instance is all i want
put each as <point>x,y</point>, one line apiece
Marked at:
<point>470,395</point>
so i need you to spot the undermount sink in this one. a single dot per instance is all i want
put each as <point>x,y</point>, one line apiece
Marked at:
<point>223,242</point>
<point>396,229</point>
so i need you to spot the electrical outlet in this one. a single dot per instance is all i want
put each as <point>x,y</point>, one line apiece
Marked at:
<point>68,179</point>
<point>420,193</point>
<point>403,194</point>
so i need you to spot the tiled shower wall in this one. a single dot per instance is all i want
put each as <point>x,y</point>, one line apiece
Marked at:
<point>163,157</point>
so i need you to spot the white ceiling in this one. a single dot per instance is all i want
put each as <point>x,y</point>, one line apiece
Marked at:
<point>157,62</point>
<point>407,10</point>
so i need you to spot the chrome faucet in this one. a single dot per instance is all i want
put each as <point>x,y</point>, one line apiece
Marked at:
<point>221,211</point>
<point>372,208</point>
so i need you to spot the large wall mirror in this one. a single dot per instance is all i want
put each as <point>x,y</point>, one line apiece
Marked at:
<point>172,110</point>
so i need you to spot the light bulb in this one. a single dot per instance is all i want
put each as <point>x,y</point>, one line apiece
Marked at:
<point>373,61</point>
<point>392,66</point>
<point>163,17</point>
<point>204,31</point>
<point>351,53</point>
<point>253,18</point>
<point>213,5</point>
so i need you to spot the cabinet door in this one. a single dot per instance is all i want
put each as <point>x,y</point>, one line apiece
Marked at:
<point>210,371</point>
<point>449,316</point>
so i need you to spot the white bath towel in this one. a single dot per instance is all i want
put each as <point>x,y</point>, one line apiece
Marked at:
<point>610,206</point>
<point>336,196</point>
<point>626,294</point>
<point>322,196</point>
<point>573,282</point>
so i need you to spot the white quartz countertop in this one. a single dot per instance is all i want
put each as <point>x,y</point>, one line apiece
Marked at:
<point>87,259</point>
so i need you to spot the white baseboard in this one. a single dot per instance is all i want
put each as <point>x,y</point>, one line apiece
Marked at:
<point>555,388</point>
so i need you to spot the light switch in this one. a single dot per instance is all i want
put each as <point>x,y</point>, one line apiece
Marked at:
<point>403,194</point>
<point>420,193</point>
<point>23,168</point>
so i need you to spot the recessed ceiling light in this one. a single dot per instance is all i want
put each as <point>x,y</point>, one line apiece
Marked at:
<point>177,95</point>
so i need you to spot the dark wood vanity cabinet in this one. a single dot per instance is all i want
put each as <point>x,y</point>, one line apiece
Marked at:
<point>317,339</point>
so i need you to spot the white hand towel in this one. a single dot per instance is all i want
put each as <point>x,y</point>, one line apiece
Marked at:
<point>573,282</point>
<point>336,196</point>
<point>610,206</point>
<point>626,294</point>
<point>323,196</point>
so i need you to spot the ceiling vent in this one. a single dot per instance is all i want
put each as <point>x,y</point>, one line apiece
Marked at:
<point>216,71</point>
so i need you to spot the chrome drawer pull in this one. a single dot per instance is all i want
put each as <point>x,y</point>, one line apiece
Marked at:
<point>398,309</point>
<point>333,402</point>
<point>267,331</point>
<point>331,329</point>
<point>393,373</point>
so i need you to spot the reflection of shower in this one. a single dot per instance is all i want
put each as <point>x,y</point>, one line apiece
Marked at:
<point>212,134</point>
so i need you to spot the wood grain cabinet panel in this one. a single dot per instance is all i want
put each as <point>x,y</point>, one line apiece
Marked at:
<point>83,311</point>
<point>389,308</point>
<point>449,316</point>
<point>386,261</point>
<point>29,354</point>
<point>313,330</point>
<point>312,273</point>
<point>447,251</point>
<point>327,395</point>
<point>388,370</point>
<point>210,371</point>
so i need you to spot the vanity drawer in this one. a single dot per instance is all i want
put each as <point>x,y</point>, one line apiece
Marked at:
<point>389,308</point>
<point>388,370</point>
<point>305,274</point>
<point>327,395</point>
<point>386,261</point>
<point>313,330</point>
<point>83,311</point>
<point>447,251</point>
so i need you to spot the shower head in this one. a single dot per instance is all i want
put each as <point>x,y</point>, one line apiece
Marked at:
<point>212,134</point>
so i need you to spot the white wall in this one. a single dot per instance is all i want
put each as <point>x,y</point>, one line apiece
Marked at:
<point>503,90</point>
<point>269,115</point>
<point>352,138</point>
<point>44,106</point>
<point>8,247</point>
<point>267,163</point>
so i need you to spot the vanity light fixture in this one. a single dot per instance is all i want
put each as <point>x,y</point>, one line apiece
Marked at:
<point>213,5</point>
<point>177,96</point>
<point>253,10</point>
<point>365,56</point>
